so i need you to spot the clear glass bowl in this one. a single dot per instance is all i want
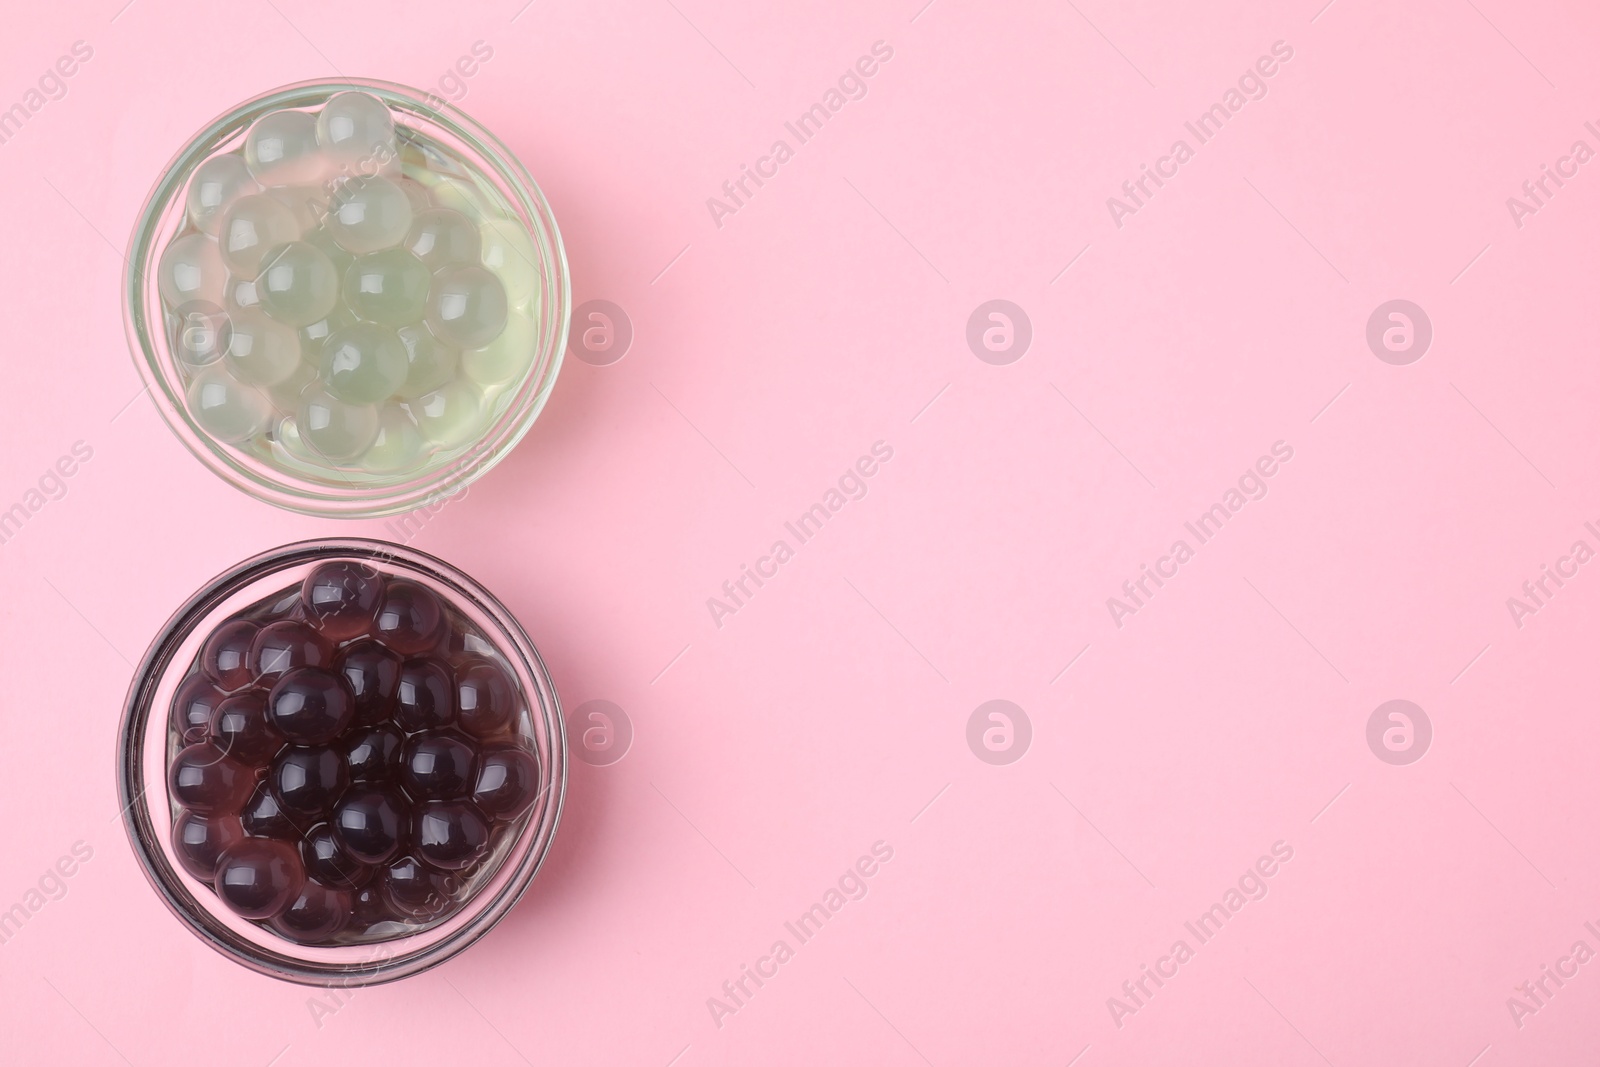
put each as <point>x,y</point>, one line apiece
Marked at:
<point>426,127</point>
<point>146,743</point>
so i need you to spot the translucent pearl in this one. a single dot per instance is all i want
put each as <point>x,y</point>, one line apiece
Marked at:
<point>388,287</point>
<point>450,416</point>
<point>440,236</point>
<point>415,193</point>
<point>191,269</point>
<point>281,148</point>
<point>285,395</point>
<point>252,226</point>
<point>431,363</point>
<point>313,337</point>
<point>466,306</point>
<point>217,183</point>
<point>364,363</point>
<point>225,407</point>
<point>356,130</point>
<point>332,430</point>
<point>458,195</point>
<point>506,358</point>
<point>322,240</point>
<point>200,333</point>
<point>508,251</point>
<point>240,293</point>
<point>298,285</point>
<point>398,446</point>
<point>368,214</point>
<point>262,351</point>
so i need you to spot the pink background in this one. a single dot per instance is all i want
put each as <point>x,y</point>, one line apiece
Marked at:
<point>1229,714</point>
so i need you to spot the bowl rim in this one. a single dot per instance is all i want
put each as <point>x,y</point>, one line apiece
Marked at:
<point>261,481</point>
<point>140,827</point>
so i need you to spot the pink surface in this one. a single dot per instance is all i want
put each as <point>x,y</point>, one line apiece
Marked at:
<point>776,341</point>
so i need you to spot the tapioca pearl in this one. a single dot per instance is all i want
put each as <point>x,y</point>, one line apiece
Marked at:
<point>430,364</point>
<point>200,840</point>
<point>285,396</point>
<point>451,835</point>
<point>340,597</point>
<point>508,251</point>
<point>508,782</point>
<point>398,446</point>
<point>204,779</point>
<point>368,214</point>
<point>451,415</point>
<point>356,128</point>
<point>191,269</point>
<point>316,914</point>
<point>371,823</point>
<point>263,816</point>
<point>389,287</point>
<point>425,697</point>
<point>508,357</point>
<point>225,656</point>
<point>411,620</point>
<point>283,646</point>
<point>413,889</point>
<point>253,226</point>
<point>333,430</point>
<point>226,408</point>
<point>216,184</point>
<point>241,729</point>
<point>328,861</point>
<point>262,351</point>
<point>373,672</point>
<point>485,698</point>
<point>298,284</point>
<point>440,236</point>
<point>310,705</point>
<point>308,781</point>
<point>373,753</point>
<point>240,293</point>
<point>316,334</point>
<point>363,364</point>
<point>201,332</point>
<point>258,877</point>
<point>466,306</point>
<point>321,239</point>
<point>193,705</point>
<point>281,148</point>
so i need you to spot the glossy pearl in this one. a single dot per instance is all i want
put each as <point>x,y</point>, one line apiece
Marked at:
<point>389,286</point>
<point>225,656</point>
<point>284,646</point>
<point>240,728</point>
<point>363,364</point>
<point>327,860</point>
<point>281,148</point>
<point>430,365</point>
<point>310,705</point>
<point>263,816</point>
<point>216,184</point>
<point>438,767</point>
<point>412,889</point>
<point>307,203</point>
<point>191,268</point>
<point>508,357</point>
<point>373,674</point>
<point>250,228</point>
<point>398,446</point>
<point>411,619</point>
<point>341,597</point>
<point>440,236</point>
<point>201,333</point>
<point>508,782</point>
<point>451,415</point>
<point>193,705</point>
<point>225,407</point>
<point>356,131</point>
<point>509,253</point>
<point>204,780</point>
<point>466,306</point>
<point>315,914</point>
<point>450,835</point>
<point>262,351</point>
<point>307,781</point>
<point>370,824</point>
<point>333,430</point>
<point>298,284</point>
<point>425,700</point>
<point>485,699</point>
<point>373,754</point>
<point>368,214</point>
<point>200,841</point>
<point>258,877</point>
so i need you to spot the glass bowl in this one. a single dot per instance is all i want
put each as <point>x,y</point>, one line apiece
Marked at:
<point>278,464</point>
<point>387,952</point>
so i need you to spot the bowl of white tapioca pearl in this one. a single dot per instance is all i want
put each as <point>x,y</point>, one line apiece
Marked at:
<point>347,298</point>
